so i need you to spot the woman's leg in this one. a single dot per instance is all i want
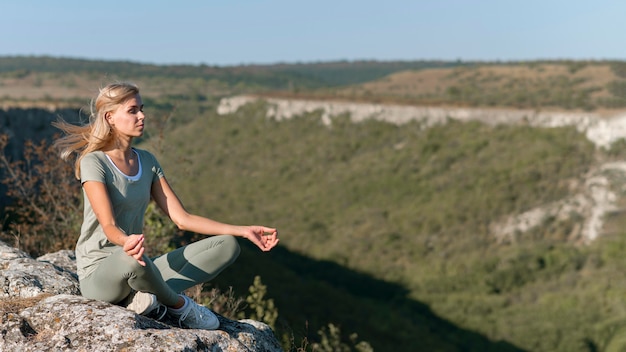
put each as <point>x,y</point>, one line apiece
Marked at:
<point>198,262</point>
<point>116,275</point>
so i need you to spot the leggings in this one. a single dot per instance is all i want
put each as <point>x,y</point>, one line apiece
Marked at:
<point>165,276</point>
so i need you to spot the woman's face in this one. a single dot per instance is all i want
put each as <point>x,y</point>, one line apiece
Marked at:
<point>128,118</point>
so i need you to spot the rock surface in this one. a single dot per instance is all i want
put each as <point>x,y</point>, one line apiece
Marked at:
<point>41,310</point>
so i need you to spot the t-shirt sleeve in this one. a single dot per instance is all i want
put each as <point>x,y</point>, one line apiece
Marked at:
<point>157,171</point>
<point>91,169</point>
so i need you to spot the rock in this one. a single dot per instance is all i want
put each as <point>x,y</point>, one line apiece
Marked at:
<point>603,131</point>
<point>41,310</point>
<point>24,277</point>
<point>64,260</point>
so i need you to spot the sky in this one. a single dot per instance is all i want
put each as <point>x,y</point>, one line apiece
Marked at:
<point>242,32</point>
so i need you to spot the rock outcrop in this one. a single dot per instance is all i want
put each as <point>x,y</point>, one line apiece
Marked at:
<point>601,130</point>
<point>41,310</point>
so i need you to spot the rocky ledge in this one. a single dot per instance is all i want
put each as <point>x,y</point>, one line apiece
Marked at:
<point>41,310</point>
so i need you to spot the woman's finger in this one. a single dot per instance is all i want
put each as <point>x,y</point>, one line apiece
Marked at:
<point>134,250</point>
<point>139,257</point>
<point>132,242</point>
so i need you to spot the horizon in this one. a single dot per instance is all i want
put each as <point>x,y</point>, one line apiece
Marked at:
<point>278,31</point>
<point>503,62</point>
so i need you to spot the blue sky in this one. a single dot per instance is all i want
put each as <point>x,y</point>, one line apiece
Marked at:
<point>269,31</point>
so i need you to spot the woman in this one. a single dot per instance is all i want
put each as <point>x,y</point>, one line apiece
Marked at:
<point>118,182</point>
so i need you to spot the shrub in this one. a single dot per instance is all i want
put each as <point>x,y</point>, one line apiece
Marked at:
<point>45,209</point>
<point>262,309</point>
<point>330,341</point>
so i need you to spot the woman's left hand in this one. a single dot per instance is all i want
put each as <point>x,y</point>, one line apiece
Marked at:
<point>263,237</point>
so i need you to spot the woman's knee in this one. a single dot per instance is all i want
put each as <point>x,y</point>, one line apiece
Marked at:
<point>129,263</point>
<point>231,246</point>
<point>133,269</point>
<point>224,254</point>
<point>222,249</point>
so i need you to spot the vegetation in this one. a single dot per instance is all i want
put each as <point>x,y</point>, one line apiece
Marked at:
<point>46,211</point>
<point>278,76</point>
<point>571,85</point>
<point>386,230</point>
<point>536,85</point>
<point>389,204</point>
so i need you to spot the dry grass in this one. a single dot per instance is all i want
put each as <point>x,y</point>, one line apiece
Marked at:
<point>436,81</point>
<point>16,305</point>
<point>46,86</point>
<point>408,82</point>
<point>40,87</point>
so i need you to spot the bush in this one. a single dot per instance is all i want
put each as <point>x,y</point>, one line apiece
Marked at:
<point>263,309</point>
<point>45,210</point>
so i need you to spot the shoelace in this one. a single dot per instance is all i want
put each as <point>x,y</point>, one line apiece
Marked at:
<point>184,316</point>
<point>160,312</point>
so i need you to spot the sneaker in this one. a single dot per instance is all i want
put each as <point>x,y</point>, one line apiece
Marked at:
<point>158,313</point>
<point>146,304</point>
<point>195,316</point>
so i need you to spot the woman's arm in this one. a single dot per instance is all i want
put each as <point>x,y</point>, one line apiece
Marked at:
<point>263,237</point>
<point>101,205</point>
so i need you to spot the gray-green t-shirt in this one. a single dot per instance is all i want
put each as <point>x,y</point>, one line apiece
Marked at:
<point>129,196</point>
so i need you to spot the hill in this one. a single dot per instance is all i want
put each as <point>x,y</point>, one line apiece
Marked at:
<point>387,229</point>
<point>30,78</point>
<point>395,223</point>
<point>535,85</point>
<point>570,85</point>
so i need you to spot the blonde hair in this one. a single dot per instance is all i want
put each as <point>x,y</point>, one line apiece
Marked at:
<point>84,139</point>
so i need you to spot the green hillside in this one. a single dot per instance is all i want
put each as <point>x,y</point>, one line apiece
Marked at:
<point>277,76</point>
<point>385,229</point>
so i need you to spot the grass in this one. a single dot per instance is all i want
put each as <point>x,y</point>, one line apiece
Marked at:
<point>16,305</point>
<point>534,85</point>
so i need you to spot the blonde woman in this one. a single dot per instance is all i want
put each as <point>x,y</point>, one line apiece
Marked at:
<point>118,182</point>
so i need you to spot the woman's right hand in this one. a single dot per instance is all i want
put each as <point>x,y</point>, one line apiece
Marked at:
<point>134,247</point>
